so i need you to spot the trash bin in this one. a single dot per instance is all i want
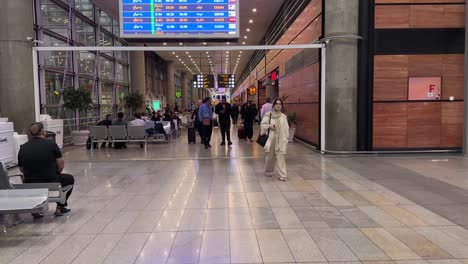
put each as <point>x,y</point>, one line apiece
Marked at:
<point>50,136</point>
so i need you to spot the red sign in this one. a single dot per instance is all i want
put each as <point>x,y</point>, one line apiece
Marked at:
<point>428,88</point>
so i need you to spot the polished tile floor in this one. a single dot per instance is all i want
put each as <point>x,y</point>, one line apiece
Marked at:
<point>180,203</point>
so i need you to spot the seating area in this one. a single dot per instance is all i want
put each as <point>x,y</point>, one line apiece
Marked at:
<point>161,131</point>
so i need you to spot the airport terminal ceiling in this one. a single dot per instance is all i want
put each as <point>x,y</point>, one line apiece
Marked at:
<point>255,16</point>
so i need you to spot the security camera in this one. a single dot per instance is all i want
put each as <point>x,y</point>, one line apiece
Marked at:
<point>31,39</point>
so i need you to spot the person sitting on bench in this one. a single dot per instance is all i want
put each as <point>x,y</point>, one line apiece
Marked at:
<point>41,161</point>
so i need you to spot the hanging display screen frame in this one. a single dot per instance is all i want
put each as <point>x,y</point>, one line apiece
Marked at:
<point>153,36</point>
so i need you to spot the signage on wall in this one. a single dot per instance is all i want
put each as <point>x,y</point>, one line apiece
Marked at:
<point>424,88</point>
<point>203,81</point>
<point>252,90</point>
<point>178,94</point>
<point>156,105</point>
<point>179,19</point>
<point>273,76</point>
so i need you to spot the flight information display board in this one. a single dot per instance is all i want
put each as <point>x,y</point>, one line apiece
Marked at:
<point>179,19</point>
<point>226,81</point>
<point>203,81</point>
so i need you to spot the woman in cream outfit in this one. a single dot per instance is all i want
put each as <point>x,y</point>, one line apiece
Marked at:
<point>277,143</point>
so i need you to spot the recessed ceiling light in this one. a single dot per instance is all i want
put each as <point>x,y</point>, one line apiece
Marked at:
<point>173,52</point>
<point>181,43</point>
<point>245,37</point>
<point>243,43</point>
<point>177,56</point>
<point>204,43</point>
<point>228,43</point>
<point>164,43</point>
<point>248,30</point>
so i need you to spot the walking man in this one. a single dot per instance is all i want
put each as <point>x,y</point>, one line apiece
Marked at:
<point>223,110</point>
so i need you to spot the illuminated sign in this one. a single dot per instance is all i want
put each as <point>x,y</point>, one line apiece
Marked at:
<point>203,81</point>
<point>156,105</point>
<point>252,90</point>
<point>179,18</point>
<point>178,94</point>
<point>428,88</point>
<point>226,81</point>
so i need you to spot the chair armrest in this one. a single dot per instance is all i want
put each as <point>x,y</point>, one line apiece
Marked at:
<point>52,186</point>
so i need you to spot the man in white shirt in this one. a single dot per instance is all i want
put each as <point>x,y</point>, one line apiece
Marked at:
<point>137,121</point>
<point>266,107</point>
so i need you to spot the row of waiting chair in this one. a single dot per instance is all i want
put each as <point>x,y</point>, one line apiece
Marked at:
<point>129,134</point>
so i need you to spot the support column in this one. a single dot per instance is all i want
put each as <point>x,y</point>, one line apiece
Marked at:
<point>185,91</point>
<point>170,91</point>
<point>138,73</point>
<point>16,67</point>
<point>465,128</point>
<point>341,17</point>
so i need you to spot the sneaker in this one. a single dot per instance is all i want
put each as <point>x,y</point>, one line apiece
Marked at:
<point>223,143</point>
<point>37,215</point>
<point>269,174</point>
<point>229,143</point>
<point>61,211</point>
<point>283,179</point>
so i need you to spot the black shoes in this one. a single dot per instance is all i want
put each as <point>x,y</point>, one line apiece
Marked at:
<point>229,143</point>
<point>61,211</point>
<point>223,143</point>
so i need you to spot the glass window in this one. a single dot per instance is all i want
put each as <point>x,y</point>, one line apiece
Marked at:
<point>121,72</point>
<point>107,68</point>
<point>87,63</point>
<point>116,28</point>
<point>85,7</point>
<point>106,41</point>
<point>120,55</point>
<point>85,33</point>
<point>54,18</point>
<point>105,21</point>
<point>54,85</point>
<point>56,58</point>
<point>122,91</point>
<point>91,86</point>
<point>107,94</point>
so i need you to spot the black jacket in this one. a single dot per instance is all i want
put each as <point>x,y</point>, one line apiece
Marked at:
<point>223,116</point>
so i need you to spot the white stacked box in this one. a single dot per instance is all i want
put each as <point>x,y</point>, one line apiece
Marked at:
<point>56,126</point>
<point>6,143</point>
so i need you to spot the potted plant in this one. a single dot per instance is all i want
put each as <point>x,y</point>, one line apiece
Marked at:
<point>134,101</point>
<point>78,100</point>
<point>292,121</point>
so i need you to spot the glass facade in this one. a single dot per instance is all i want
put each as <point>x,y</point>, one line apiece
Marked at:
<point>104,74</point>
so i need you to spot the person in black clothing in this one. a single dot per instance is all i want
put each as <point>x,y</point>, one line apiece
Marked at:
<point>167,115</point>
<point>41,161</point>
<point>248,114</point>
<point>196,121</point>
<point>106,122</point>
<point>223,110</point>
<point>234,113</point>
<point>157,116</point>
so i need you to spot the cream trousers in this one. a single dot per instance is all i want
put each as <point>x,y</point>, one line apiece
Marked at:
<point>275,160</point>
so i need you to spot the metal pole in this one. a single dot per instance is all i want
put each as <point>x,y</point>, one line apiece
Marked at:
<point>37,101</point>
<point>323,85</point>
<point>465,127</point>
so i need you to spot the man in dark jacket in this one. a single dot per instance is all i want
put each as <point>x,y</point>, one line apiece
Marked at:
<point>196,121</point>
<point>234,113</point>
<point>248,114</point>
<point>106,122</point>
<point>223,110</point>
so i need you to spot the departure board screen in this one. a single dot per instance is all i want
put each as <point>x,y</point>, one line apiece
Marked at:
<point>203,81</point>
<point>179,19</point>
<point>226,81</point>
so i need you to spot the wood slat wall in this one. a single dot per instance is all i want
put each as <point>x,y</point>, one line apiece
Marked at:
<point>397,122</point>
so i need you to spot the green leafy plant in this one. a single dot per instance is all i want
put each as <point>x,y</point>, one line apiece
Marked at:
<point>292,119</point>
<point>134,100</point>
<point>79,99</point>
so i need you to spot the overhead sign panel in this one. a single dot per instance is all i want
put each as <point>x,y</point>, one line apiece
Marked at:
<point>203,81</point>
<point>179,18</point>
<point>226,81</point>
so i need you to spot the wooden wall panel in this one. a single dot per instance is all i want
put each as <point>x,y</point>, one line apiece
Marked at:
<point>392,16</point>
<point>437,16</point>
<point>452,113</point>
<point>392,66</point>
<point>453,86</point>
<point>388,137</point>
<point>425,65</point>
<point>390,89</point>
<point>451,136</point>
<point>424,136</point>
<point>390,114</point>
<point>453,65</point>
<point>424,113</point>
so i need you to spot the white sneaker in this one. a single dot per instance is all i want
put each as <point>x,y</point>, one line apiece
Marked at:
<point>282,179</point>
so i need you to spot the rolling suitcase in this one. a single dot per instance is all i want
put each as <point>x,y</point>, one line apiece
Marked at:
<point>241,133</point>
<point>192,139</point>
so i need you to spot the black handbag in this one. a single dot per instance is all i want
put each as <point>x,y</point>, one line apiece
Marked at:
<point>262,139</point>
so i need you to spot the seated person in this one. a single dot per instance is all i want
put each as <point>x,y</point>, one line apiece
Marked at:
<point>138,121</point>
<point>120,122</point>
<point>106,122</point>
<point>41,161</point>
<point>157,116</point>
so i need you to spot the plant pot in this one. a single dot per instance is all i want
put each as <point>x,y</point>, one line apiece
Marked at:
<point>292,131</point>
<point>79,138</point>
